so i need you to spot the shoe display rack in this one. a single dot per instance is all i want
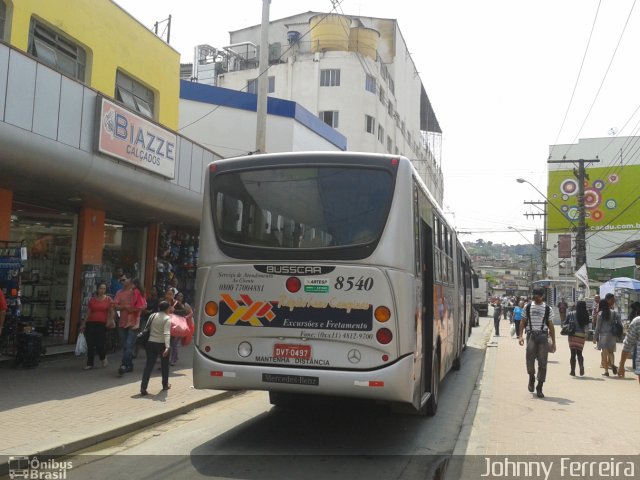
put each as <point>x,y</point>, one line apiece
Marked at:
<point>12,255</point>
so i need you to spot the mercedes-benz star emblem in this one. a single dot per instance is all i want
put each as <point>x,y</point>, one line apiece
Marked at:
<point>354,355</point>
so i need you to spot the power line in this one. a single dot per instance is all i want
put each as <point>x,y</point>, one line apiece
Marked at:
<point>614,218</point>
<point>575,86</point>
<point>603,78</point>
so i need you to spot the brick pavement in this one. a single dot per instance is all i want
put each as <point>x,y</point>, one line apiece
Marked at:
<point>590,415</point>
<point>59,408</point>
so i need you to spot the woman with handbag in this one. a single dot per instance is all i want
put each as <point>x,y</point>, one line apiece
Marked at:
<point>180,309</point>
<point>94,326</point>
<point>631,343</point>
<point>604,336</point>
<point>159,327</point>
<point>576,323</point>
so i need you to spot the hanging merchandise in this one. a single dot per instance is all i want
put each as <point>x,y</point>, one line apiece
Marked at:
<point>12,256</point>
<point>177,262</point>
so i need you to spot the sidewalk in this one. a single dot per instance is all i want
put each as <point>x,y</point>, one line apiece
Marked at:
<point>590,415</point>
<point>59,408</point>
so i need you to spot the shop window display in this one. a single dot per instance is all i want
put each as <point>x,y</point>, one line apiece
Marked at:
<point>177,262</point>
<point>11,258</point>
<point>45,275</point>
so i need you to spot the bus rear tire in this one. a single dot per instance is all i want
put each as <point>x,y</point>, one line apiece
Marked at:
<point>457,362</point>
<point>432,403</point>
<point>282,399</point>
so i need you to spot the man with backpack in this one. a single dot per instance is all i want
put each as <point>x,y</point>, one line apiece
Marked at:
<point>537,322</point>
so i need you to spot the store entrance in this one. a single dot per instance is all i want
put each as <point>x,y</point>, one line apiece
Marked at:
<point>124,248</point>
<point>46,273</point>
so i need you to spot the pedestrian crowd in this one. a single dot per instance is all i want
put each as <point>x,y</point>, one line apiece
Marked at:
<point>123,306</point>
<point>532,324</point>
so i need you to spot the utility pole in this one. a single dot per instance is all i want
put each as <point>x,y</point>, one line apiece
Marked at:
<point>261,109</point>
<point>543,243</point>
<point>581,176</point>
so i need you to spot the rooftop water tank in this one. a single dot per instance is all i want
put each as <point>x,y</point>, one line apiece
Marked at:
<point>293,36</point>
<point>364,40</point>
<point>329,32</point>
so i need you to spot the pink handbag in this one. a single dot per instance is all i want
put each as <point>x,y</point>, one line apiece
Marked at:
<point>186,340</point>
<point>179,326</point>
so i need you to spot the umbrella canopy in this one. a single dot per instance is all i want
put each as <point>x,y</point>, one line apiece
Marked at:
<point>620,282</point>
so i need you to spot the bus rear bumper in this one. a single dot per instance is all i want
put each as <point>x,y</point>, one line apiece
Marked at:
<point>394,383</point>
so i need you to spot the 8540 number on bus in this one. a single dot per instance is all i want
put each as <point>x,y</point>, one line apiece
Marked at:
<point>353,283</point>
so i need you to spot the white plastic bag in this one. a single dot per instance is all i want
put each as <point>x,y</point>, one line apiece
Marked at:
<point>512,330</point>
<point>81,345</point>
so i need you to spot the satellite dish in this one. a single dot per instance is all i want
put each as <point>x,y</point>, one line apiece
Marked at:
<point>613,131</point>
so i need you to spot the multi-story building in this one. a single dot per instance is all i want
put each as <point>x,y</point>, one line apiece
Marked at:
<point>93,175</point>
<point>354,72</point>
<point>611,206</point>
<point>90,164</point>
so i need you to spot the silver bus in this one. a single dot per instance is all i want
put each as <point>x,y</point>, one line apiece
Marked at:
<point>326,273</point>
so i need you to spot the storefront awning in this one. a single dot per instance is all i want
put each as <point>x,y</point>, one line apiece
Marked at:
<point>626,250</point>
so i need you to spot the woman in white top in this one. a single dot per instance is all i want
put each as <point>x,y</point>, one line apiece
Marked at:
<point>158,344</point>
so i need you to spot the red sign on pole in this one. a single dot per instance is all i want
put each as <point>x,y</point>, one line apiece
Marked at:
<point>564,246</point>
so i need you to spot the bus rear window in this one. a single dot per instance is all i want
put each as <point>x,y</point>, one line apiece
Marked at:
<point>301,207</point>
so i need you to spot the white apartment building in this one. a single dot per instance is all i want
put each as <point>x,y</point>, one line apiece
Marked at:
<point>355,73</point>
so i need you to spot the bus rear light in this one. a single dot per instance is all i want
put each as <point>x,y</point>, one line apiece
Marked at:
<point>211,309</point>
<point>207,348</point>
<point>369,383</point>
<point>384,336</point>
<point>293,284</point>
<point>212,167</point>
<point>209,329</point>
<point>382,314</point>
<point>385,358</point>
<point>394,162</point>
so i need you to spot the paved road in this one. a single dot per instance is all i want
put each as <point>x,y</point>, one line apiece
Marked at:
<point>59,408</point>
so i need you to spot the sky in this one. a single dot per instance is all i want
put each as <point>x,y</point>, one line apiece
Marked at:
<point>506,79</point>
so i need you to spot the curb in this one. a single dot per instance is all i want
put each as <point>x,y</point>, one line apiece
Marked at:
<point>96,438</point>
<point>469,417</point>
<point>454,469</point>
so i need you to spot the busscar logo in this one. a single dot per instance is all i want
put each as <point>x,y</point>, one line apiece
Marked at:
<point>294,269</point>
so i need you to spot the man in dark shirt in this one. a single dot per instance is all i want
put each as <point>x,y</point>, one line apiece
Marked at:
<point>497,310</point>
<point>116,283</point>
<point>562,308</point>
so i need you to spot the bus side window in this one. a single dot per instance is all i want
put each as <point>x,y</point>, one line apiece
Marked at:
<point>266,221</point>
<point>229,213</point>
<point>251,221</point>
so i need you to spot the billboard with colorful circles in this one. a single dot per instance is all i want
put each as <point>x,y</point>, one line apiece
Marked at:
<point>611,199</point>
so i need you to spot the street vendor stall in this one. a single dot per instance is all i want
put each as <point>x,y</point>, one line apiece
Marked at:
<point>626,291</point>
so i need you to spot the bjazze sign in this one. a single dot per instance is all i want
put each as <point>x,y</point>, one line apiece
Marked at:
<point>129,137</point>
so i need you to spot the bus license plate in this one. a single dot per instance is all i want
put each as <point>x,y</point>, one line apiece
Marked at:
<point>282,350</point>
